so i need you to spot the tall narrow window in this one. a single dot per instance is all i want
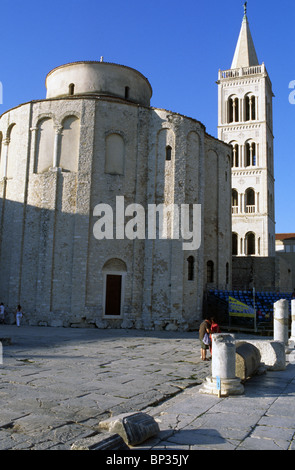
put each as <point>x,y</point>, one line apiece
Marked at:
<point>250,150</point>
<point>190,268</point>
<point>250,108</point>
<point>235,156</point>
<point>227,273</point>
<point>250,201</point>
<point>168,152</point>
<point>210,272</point>
<point>250,243</point>
<point>127,89</point>
<point>235,201</point>
<point>233,110</point>
<point>71,89</point>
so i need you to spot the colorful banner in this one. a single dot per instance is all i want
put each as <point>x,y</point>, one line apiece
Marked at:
<point>238,309</point>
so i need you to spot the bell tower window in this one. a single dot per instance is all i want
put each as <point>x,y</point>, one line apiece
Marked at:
<point>233,109</point>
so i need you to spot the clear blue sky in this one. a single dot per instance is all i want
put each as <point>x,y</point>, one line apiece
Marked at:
<point>178,45</point>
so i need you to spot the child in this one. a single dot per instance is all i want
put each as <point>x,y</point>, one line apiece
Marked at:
<point>214,329</point>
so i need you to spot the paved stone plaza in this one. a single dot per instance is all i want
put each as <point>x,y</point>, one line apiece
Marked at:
<point>57,384</point>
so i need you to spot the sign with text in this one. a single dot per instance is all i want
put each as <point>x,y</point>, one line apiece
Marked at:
<point>238,309</point>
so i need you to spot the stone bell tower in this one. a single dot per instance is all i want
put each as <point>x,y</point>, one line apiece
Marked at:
<point>245,121</point>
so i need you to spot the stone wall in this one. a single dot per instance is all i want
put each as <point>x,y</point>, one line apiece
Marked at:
<point>258,272</point>
<point>51,262</point>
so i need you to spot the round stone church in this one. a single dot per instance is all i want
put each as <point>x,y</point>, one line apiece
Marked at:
<point>80,165</point>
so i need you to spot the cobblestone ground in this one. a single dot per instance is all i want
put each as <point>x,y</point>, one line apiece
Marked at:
<point>57,384</point>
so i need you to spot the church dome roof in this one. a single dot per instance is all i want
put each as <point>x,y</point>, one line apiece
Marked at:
<point>100,78</point>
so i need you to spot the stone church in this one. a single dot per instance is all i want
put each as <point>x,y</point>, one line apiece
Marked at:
<point>92,142</point>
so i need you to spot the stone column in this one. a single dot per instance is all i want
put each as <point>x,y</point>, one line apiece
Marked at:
<point>292,337</point>
<point>224,367</point>
<point>5,143</point>
<point>280,321</point>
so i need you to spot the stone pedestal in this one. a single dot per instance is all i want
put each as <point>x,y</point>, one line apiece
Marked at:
<point>224,367</point>
<point>292,337</point>
<point>280,321</point>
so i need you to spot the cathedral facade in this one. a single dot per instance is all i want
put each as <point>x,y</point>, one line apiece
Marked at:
<point>80,165</point>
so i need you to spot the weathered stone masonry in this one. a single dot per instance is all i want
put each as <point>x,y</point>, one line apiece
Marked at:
<point>93,138</point>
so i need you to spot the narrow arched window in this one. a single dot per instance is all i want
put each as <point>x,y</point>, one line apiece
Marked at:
<point>168,153</point>
<point>210,271</point>
<point>235,156</point>
<point>233,110</point>
<point>127,90</point>
<point>235,201</point>
<point>250,201</point>
<point>250,108</point>
<point>71,89</point>
<point>250,243</point>
<point>250,150</point>
<point>190,268</point>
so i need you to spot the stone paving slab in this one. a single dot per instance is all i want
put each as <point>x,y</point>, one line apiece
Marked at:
<point>261,419</point>
<point>74,378</point>
<point>57,384</point>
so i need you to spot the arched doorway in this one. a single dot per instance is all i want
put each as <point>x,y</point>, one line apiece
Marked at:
<point>114,272</point>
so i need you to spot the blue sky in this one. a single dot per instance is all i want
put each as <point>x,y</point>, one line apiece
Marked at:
<point>178,46</point>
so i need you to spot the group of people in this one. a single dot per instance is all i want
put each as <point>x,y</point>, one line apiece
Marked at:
<point>18,314</point>
<point>207,328</point>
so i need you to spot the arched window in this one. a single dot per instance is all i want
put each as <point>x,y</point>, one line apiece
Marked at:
<point>250,154</point>
<point>168,153</point>
<point>233,109</point>
<point>250,108</point>
<point>210,272</point>
<point>71,89</point>
<point>235,244</point>
<point>127,89</point>
<point>235,201</point>
<point>250,243</point>
<point>235,156</point>
<point>115,154</point>
<point>250,201</point>
<point>190,268</point>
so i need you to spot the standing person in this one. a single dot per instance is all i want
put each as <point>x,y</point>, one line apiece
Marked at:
<point>213,329</point>
<point>19,315</point>
<point>2,312</point>
<point>204,328</point>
